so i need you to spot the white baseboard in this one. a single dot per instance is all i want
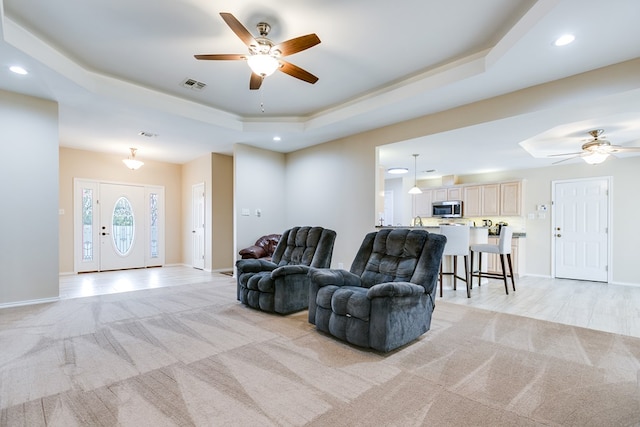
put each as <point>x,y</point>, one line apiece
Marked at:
<point>625,284</point>
<point>29,302</point>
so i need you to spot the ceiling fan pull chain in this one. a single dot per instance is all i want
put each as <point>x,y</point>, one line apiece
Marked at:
<point>262,101</point>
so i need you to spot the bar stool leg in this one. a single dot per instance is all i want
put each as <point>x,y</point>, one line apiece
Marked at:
<point>455,271</point>
<point>440,279</point>
<point>466,276</point>
<point>479,268</point>
<point>513,282</point>
<point>504,274</point>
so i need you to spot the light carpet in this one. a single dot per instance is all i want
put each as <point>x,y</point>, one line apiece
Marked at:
<point>192,355</point>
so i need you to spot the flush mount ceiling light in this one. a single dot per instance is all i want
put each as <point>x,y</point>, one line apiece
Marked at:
<point>18,70</point>
<point>131,161</point>
<point>415,189</point>
<point>564,40</point>
<point>277,138</point>
<point>397,171</point>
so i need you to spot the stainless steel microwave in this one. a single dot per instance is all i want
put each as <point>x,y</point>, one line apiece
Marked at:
<point>447,209</point>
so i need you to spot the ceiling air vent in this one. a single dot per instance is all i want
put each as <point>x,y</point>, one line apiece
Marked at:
<point>193,84</point>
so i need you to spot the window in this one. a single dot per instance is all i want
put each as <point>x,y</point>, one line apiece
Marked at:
<point>123,225</point>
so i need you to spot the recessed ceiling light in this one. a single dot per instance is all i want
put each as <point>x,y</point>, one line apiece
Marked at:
<point>397,171</point>
<point>18,70</point>
<point>277,138</point>
<point>564,39</point>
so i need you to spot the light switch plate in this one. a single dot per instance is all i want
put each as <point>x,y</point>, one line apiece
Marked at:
<point>245,212</point>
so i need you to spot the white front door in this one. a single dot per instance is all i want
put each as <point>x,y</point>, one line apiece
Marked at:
<point>122,226</point>
<point>117,226</point>
<point>581,229</point>
<point>197,221</point>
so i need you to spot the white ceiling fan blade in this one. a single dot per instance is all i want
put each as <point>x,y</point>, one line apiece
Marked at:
<point>622,149</point>
<point>568,158</point>
<point>565,154</point>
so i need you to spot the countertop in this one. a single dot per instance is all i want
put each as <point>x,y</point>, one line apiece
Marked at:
<point>516,235</point>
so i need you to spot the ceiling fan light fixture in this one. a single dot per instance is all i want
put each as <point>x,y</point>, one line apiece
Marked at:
<point>262,64</point>
<point>131,161</point>
<point>595,158</point>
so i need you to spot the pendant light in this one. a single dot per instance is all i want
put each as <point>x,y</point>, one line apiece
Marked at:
<point>415,189</point>
<point>131,162</point>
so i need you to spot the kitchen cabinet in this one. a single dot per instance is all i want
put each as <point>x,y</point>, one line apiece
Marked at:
<point>422,204</point>
<point>454,193</point>
<point>499,199</point>
<point>447,193</point>
<point>511,198</point>
<point>495,199</point>
<point>472,201</point>
<point>491,199</point>
<point>440,195</point>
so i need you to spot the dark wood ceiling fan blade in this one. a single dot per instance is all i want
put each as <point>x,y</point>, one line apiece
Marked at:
<point>255,82</point>
<point>239,29</point>
<point>297,72</point>
<point>297,44</point>
<point>221,56</point>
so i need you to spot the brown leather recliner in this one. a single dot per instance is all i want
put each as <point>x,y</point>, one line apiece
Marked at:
<point>264,247</point>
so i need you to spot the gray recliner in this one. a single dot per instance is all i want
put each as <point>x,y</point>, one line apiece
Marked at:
<point>386,299</point>
<point>282,284</point>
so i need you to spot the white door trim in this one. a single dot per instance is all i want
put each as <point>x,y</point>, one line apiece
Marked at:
<point>198,224</point>
<point>610,230</point>
<point>94,264</point>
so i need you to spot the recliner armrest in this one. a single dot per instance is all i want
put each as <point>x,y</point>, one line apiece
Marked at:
<point>286,270</point>
<point>254,265</point>
<point>338,277</point>
<point>253,252</point>
<point>394,289</point>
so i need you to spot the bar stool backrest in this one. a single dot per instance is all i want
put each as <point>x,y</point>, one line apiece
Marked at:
<point>504,243</point>
<point>457,239</point>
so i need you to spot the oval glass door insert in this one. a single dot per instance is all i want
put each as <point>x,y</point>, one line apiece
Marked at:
<point>123,225</point>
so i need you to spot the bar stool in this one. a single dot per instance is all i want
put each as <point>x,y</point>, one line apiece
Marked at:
<point>457,245</point>
<point>502,248</point>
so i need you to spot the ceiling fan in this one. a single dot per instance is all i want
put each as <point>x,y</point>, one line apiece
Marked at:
<point>265,57</point>
<point>596,150</point>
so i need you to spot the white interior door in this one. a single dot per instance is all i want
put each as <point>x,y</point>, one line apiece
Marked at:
<point>197,221</point>
<point>122,226</point>
<point>581,227</point>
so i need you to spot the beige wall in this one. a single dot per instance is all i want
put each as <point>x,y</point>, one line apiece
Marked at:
<point>259,183</point>
<point>216,172</point>
<point>29,194</point>
<point>222,212</point>
<point>107,167</point>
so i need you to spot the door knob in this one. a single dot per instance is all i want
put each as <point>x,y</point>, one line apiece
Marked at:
<point>558,235</point>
